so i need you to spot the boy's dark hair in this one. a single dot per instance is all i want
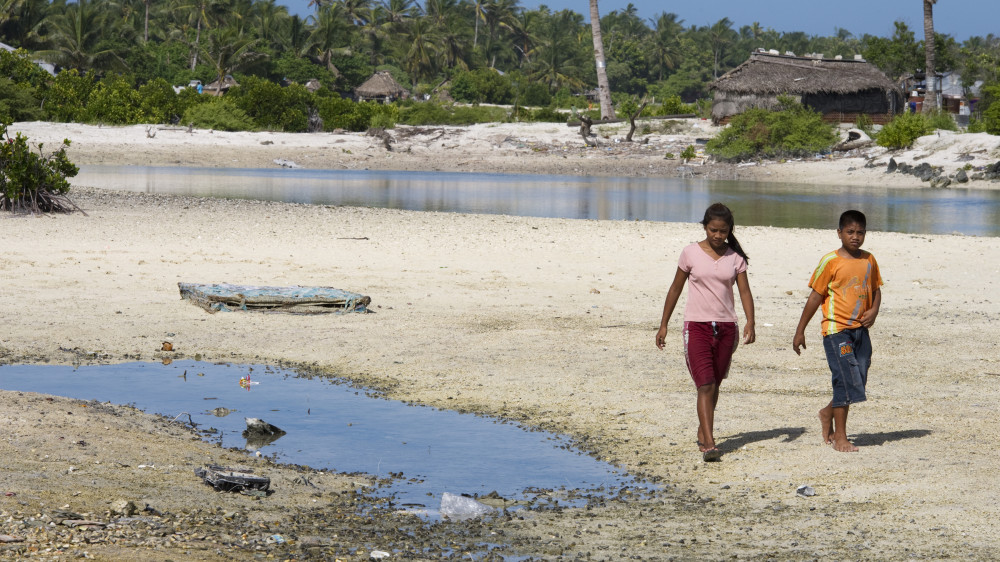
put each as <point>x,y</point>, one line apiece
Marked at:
<point>722,213</point>
<point>852,216</point>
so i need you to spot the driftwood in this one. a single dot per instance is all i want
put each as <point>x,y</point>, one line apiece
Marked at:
<point>585,124</point>
<point>651,118</point>
<point>383,135</point>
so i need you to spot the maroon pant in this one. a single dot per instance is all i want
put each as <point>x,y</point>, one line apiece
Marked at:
<point>708,350</point>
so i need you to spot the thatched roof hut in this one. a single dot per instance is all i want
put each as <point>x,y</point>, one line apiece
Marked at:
<point>381,86</point>
<point>221,86</point>
<point>840,89</point>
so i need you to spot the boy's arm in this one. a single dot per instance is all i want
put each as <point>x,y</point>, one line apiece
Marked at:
<point>812,305</point>
<point>673,294</point>
<point>746,298</point>
<point>868,318</point>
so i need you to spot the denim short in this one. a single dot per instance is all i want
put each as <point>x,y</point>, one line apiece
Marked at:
<point>849,354</point>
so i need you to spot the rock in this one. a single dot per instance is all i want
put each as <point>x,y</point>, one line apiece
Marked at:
<point>123,508</point>
<point>961,176</point>
<point>925,175</point>
<point>892,166</point>
<point>940,182</point>
<point>806,491</point>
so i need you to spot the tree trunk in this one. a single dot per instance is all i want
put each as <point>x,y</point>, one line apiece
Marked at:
<point>930,93</point>
<point>603,90</point>
<point>631,120</point>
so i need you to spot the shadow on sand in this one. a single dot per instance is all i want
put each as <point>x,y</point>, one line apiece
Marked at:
<point>870,439</point>
<point>730,444</point>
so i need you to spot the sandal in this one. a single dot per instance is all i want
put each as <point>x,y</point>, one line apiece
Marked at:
<point>712,455</point>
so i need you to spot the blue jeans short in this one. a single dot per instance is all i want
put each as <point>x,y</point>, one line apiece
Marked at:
<point>849,354</point>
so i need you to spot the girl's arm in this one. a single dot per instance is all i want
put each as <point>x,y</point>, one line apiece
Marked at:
<point>673,294</point>
<point>746,298</point>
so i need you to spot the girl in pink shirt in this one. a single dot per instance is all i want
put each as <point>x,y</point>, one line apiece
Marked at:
<point>713,265</point>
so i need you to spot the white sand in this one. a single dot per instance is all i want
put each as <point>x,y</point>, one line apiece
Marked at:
<point>552,322</point>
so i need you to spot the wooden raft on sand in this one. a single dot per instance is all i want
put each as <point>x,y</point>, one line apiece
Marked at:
<point>216,297</point>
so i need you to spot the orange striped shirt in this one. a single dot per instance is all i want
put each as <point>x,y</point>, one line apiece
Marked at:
<point>847,286</point>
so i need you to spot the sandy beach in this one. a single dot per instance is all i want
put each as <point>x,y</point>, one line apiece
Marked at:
<point>549,322</point>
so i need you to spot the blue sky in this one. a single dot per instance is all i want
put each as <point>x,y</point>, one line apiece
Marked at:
<point>958,18</point>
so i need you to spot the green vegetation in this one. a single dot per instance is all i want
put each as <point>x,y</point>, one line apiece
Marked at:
<point>33,182</point>
<point>758,133</point>
<point>490,52</point>
<point>908,127</point>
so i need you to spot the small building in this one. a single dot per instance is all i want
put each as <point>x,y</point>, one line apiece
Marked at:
<point>382,87</point>
<point>840,89</point>
<point>220,87</point>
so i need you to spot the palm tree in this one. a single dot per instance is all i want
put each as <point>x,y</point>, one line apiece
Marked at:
<point>329,36</point>
<point>228,51</point>
<point>664,50</point>
<point>75,36</point>
<point>603,89</point>
<point>559,53</point>
<point>930,95</point>
<point>721,35</point>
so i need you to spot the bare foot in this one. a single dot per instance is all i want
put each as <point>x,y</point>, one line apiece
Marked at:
<point>826,424</point>
<point>843,445</point>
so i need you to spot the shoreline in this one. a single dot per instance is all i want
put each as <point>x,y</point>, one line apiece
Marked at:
<point>549,322</point>
<point>533,148</point>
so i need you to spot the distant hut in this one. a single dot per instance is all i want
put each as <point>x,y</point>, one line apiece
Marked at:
<point>381,86</point>
<point>220,87</point>
<point>313,84</point>
<point>840,89</point>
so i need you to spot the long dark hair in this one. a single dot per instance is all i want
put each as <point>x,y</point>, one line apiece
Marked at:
<point>718,211</point>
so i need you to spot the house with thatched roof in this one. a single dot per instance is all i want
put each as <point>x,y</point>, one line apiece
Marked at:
<point>220,87</point>
<point>840,89</point>
<point>381,86</point>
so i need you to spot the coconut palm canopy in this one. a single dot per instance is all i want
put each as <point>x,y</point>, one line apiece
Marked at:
<point>380,85</point>
<point>848,86</point>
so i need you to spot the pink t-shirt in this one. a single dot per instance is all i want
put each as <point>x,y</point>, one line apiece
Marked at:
<point>710,297</point>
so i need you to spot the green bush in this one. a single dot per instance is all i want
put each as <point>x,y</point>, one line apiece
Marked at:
<point>272,107</point>
<point>689,153</point>
<point>219,114</point>
<point>430,113</point>
<point>18,102</point>
<point>547,115</point>
<point>903,130</point>
<point>989,121</point>
<point>158,102</point>
<point>674,106</point>
<point>33,182</point>
<point>115,101</point>
<point>536,94</point>
<point>338,113</point>
<point>482,85</point>
<point>66,99</point>
<point>941,120</point>
<point>424,113</point>
<point>793,131</point>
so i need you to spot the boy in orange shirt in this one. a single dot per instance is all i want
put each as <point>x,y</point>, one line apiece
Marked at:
<point>846,283</point>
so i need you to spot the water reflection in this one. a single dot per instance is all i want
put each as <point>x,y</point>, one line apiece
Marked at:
<point>964,211</point>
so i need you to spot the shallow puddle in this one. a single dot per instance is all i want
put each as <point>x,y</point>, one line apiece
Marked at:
<point>330,425</point>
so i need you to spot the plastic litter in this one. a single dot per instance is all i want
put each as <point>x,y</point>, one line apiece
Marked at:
<point>462,507</point>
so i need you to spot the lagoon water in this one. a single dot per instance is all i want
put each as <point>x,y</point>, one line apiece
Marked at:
<point>917,211</point>
<point>333,426</point>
